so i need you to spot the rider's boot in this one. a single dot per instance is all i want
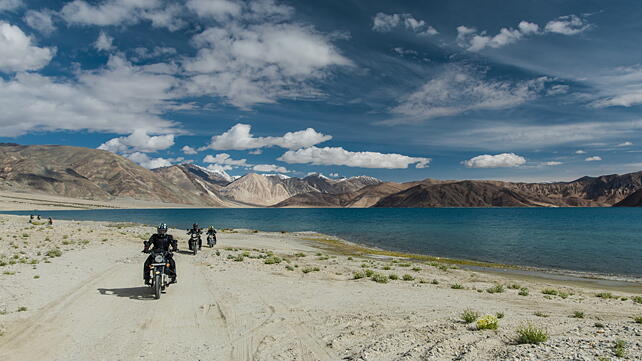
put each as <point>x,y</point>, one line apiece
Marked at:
<point>173,280</point>
<point>148,281</point>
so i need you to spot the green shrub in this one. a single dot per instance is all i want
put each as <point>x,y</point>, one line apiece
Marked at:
<point>36,277</point>
<point>540,314</point>
<point>289,268</point>
<point>469,315</point>
<point>619,349</point>
<point>550,291</point>
<point>54,253</point>
<point>407,277</point>
<point>238,258</point>
<point>578,314</point>
<point>272,260</point>
<point>598,325</point>
<point>386,268</point>
<point>434,282</point>
<point>637,319</point>
<point>637,299</point>
<point>310,269</point>
<point>299,254</point>
<point>350,258</point>
<point>416,269</point>
<point>529,334</point>
<point>358,275</point>
<point>523,291</point>
<point>457,286</point>
<point>514,286</point>
<point>22,309</point>
<point>393,276</point>
<point>496,289</point>
<point>369,272</point>
<point>380,278</point>
<point>499,314</point>
<point>488,322</point>
<point>605,295</point>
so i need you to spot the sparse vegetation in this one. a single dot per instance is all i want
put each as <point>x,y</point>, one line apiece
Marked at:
<point>22,309</point>
<point>35,277</point>
<point>540,314</point>
<point>578,314</point>
<point>368,272</point>
<point>529,334</point>
<point>310,269</point>
<point>407,277</point>
<point>469,315</point>
<point>380,278</point>
<point>598,325</point>
<point>605,295</point>
<point>457,286</point>
<point>358,275</point>
<point>416,269</point>
<point>289,268</point>
<point>272,260</point>
<point>637,299</point>
<point>488,322</point>
<point>619,349</point>
<point>496,289</point>
<point>393,276</point>
<point>514,286</point>
<point>637,319</point>
<point>499,315</point>
<point>550,291</point>
<point>54,253</point>
<point>434,282</point>
<point>523,291</point>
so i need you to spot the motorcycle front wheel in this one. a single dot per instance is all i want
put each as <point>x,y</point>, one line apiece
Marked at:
<point>158,283</point>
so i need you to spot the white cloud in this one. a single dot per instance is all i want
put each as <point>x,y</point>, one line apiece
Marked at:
<point>138,141</point>
<point>218,9</point>
<point>579,151</point>
<point>239,138</point>
<point>41,20</point>
<point>219,168</point>
<point>156,52</point>
<point>552,163</point>
<point>104,42</point>
<point>458,89</point>
<point>7,5</point>
<point>260,62</point>
<point>123,12</point>
<point>116,99</point>
<point>147,162</point>
<point>189,150</point>
<point>340,156</point>
<point>256,152</point>
<point>495,161</point>
<point>226,159</point>
<point>567,25</point>
<point>625,144</point>
<point>593,158</point>
<point>18,52</point>
<point>269,168</point>
<point>620,87</point>
<point>387,22</point>
<point>558,89</point>
<point>470,39</point>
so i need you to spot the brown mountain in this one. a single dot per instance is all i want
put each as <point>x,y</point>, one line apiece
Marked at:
<point>633,200</point>
<point>197,184</point>
<point>80,173</point>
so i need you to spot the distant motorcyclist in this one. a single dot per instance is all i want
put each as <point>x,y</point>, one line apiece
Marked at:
<point>211,232</point>
<point>161,242</point>
<point>196,232</point>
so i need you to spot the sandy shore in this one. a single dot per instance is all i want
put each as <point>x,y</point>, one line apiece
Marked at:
<point>74,292</point>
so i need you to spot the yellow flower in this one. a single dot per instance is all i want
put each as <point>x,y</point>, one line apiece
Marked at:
<point>487,322</point>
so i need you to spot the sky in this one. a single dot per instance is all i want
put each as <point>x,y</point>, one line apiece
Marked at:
<point>526,90</point>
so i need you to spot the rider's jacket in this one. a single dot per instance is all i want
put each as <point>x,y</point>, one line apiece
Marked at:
<point>196,231</point>
<point>161,242</point>
<point>211,232</point>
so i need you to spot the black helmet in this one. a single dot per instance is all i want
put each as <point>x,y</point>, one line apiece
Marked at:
<point>162,228</point>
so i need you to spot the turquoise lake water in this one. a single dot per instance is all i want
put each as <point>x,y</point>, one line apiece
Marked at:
<point>601,240</point>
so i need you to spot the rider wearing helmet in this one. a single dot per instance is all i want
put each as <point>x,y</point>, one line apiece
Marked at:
<point>161,241</point>
<point>196,231</point>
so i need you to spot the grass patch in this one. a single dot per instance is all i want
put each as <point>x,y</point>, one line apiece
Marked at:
<point>238,258</point>
<point>310,269</point>
<point>457,286</point>
<point>416,269</point>
<point>380,278</point>
<point>550,291</point>
<point>272,260</point>
<point>358,275</point>
<point>540,314</point>
<point>637,319</point>
<point>523,291</point>
<point>407,277</point>
<point>54,253</point>
<point>434,282</point>
<point>619,349</point>
<point>496,289</point>
<point>578,314</point>
<point>499,315</point>
<point>289,268</point>
<point>368,272</point>
<point>529,334</point>
<point>36,277</point>
<point>488,322</point>
<point>393,276</point>
<point>637,299</point>
<point>22,309</point>
<point>469,315</point>
<point>605,295</point>
<point>515,286</point>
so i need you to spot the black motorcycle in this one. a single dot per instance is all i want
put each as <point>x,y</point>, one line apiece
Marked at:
<point>211,240</point>
<point>193,242</point>
<point>160,265</point>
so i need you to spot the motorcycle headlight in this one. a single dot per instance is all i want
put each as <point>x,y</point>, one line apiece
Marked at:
<point>159,258</point>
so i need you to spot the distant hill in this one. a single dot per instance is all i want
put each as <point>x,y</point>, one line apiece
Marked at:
<point>93,174</point>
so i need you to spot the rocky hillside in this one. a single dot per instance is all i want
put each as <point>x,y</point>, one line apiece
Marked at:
<point>633,200</point>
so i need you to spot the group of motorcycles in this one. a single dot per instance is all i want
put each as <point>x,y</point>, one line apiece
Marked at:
<point>161,262</point>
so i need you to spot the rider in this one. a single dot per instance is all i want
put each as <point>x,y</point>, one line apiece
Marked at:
<point>161,241</point>
<point>196,231</point>
<point>211,232</point>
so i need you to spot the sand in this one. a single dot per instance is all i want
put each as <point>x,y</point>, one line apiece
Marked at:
<point>90,304</point>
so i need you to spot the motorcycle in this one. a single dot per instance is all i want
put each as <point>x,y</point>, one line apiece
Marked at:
<point>193,243</point>
<point>159,276</point>
<point>211,240</point>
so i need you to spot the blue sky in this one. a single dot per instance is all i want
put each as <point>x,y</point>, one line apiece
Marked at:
<point>404,90</point>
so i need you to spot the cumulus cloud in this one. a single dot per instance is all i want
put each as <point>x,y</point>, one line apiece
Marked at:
<point>189,150</point>
<point>18,51</point>
<point>239,137</point>
<point>625,144</point>
<point>552,163</point>
<point>147,162</point>
<point>123,12</point>
<point>138,141</point>
<point>387,22</point>
<point>218,9</point>
<point>260,60</point>
<point>8,5</point>
<point>495,161</point>
<point>340,156</point>
<point>116,99</point>
<point>458,89</point>
<point>41,20</point>
<point>594,158</point>
<point>104,42</point>
<point>472,40</point>
<point>269,168</point>
<point>567,25</point>
<point>225,159</point>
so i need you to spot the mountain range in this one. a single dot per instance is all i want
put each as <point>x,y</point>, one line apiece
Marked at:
<point>100,175</point>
